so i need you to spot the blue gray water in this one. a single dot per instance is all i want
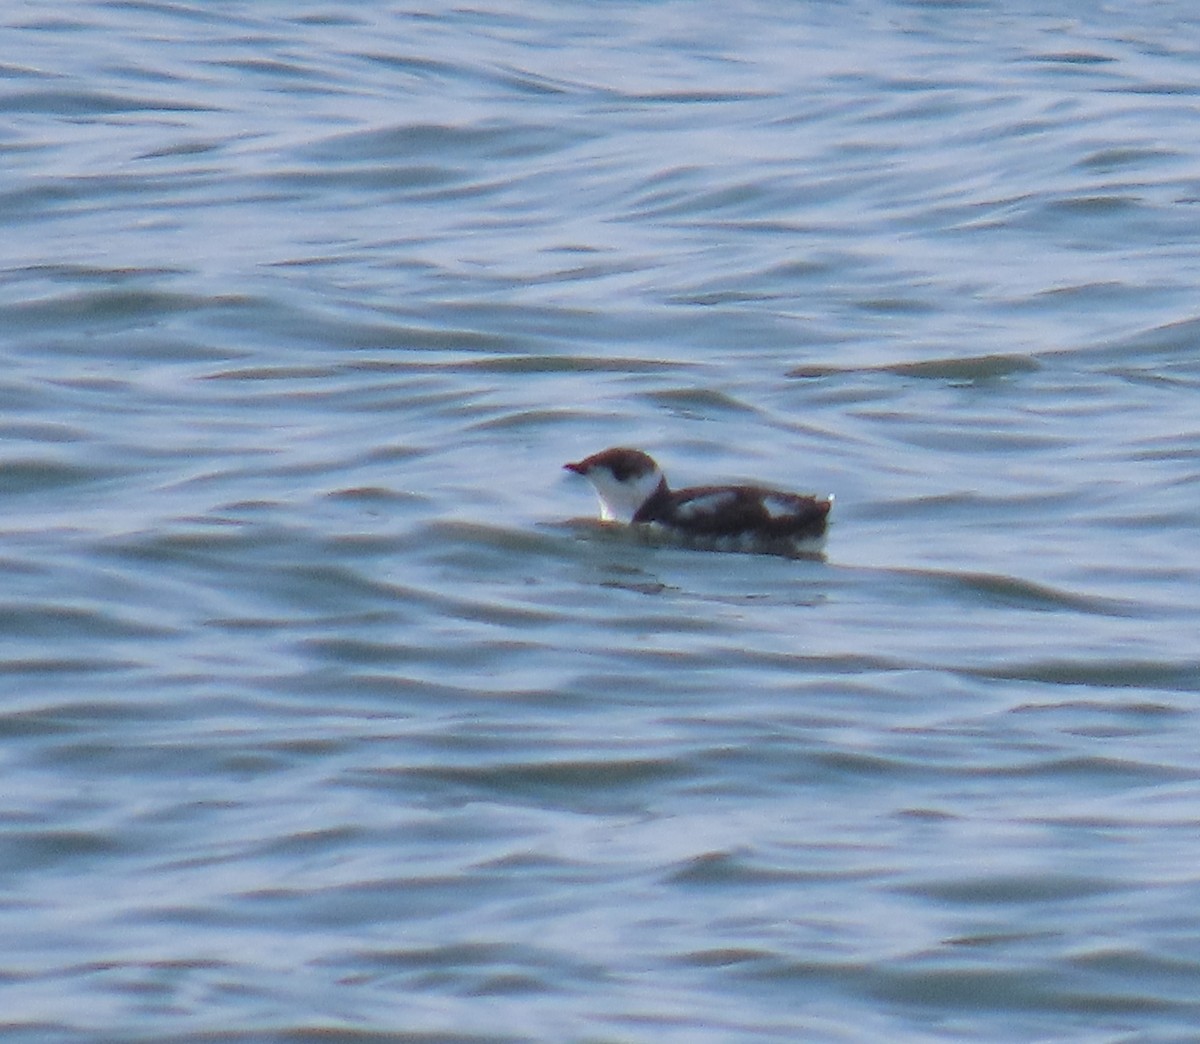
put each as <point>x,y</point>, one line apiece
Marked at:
<point>324,712</point>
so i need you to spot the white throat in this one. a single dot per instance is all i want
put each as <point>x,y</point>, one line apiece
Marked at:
<point>619,501</point>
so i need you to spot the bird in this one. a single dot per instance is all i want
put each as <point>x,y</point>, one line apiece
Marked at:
<point>633,490</point>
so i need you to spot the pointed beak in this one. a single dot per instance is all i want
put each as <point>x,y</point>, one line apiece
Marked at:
<point>576,467</point>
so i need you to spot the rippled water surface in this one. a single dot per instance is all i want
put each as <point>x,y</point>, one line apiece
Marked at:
<point>326,711</point>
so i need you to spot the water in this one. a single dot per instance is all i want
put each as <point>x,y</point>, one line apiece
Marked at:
<point>325,714</point>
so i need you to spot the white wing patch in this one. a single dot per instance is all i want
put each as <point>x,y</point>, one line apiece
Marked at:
<point>706,504</point>
<point>778,507</point>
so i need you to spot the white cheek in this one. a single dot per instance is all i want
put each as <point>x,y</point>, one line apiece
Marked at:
<point>647,485</point>
<point>614,498</point>
<point>620,500</point>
